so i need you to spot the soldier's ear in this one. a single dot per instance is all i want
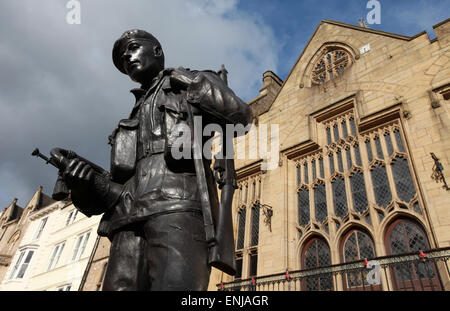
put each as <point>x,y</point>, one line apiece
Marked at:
<point>158,50</point>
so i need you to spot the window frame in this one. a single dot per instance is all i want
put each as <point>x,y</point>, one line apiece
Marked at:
<point>56,254</point>
<point>80,246</point>
<point>409,284</point>
<point>20,262</point>
<point>72,216</point>
<point>37,234</point>
<point>307,245</point>
<point>344,240</point>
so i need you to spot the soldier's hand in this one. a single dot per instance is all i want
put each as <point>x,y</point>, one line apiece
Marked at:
<point>78,174</point>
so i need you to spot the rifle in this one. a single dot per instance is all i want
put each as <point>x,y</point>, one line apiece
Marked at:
<point>60,158</point>
<point>217,216</point>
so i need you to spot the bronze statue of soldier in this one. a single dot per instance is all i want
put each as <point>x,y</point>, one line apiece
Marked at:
<point>153,204</point>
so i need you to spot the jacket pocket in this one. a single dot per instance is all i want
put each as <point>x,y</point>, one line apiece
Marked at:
<point>123,151</point>
<point>178,144</point>
<point>181,186</point>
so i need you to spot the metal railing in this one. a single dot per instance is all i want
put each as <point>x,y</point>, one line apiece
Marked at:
<point>422,271</point>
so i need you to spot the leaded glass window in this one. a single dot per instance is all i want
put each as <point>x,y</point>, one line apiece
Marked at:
<point>328,135</point>
<point>255,225</point>
<point>320,202</point>
<point>321,168</point>
<point>349,158</point>
<point>358,246</point>
<point>313,168</point>
<point>350,170</point>
<point>407,237</point>
<point>352,126</point>
<point>303,206</point>
<point>357,155</point>
<point>351,251</point>
<point>378,147</point>
<point>369,150</point>
<point>305,172</point>
<point>390,148</point>
<point>358,192</point>
<point>381,185</point>
<point>399,141</point>
<point>253,263</point>
<point>339,158</point>
<point>336,132</point>
<point>331,158</point>
<point>344,128</point>
<point>403,180</point>
<point>241,229</point>
<point>339,197</point>
<point>317,254</point>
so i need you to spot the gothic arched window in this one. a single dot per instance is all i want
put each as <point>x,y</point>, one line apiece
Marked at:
<point>320,202</point>
<point>241,228</point>
<point>358,188</point>
<point>339,197</point>
<point>303,206</point>
<point>405,236</point>
<point>315,255</point>
<point>357,245</point>
<point>403,180</point>
<point>381,185</point>
<point>255,225</point>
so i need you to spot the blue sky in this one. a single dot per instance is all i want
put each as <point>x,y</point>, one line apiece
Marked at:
<point>293,21</point>
<point>59,88</point>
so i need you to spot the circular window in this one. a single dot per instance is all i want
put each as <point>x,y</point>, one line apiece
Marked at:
<point>331,64</point>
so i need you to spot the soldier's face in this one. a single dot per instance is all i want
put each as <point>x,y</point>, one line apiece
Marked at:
<point>141,60</point>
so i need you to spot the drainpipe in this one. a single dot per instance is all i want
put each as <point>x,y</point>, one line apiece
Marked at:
<point>286,209</point>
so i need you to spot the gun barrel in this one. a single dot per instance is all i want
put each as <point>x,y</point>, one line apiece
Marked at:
<point>40,155</point>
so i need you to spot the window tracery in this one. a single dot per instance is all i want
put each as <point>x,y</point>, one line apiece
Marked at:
<point>331,64</point>
<point>356,174</point>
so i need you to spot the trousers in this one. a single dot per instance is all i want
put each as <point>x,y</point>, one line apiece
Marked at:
<point>167,252</point>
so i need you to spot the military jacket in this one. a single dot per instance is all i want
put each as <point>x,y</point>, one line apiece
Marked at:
<point>150,180</point>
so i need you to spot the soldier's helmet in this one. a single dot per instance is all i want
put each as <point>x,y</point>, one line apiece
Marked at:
<point>121,44</point>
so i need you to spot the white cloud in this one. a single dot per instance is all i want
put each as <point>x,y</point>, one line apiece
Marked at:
<point>59,87</point>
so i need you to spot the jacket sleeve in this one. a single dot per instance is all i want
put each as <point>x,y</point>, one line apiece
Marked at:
<point>210,94</point>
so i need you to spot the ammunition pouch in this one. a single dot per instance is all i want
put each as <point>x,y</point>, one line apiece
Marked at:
<point>123,151</point>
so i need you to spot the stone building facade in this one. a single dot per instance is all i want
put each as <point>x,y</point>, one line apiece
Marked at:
<point>95,271</point>
<point>358,116</point>
<point>14,223</point>
<point>48,245</point>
